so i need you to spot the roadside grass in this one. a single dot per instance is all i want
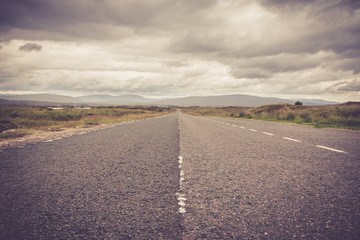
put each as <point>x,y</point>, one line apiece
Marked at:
<point>345,116</point>
<point>18,121</point>
<point>215,111</point>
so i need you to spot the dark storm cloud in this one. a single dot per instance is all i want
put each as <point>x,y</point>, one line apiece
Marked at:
<point>28,47</point>
<point>92,19</point>
<point>337,25</point>
<point>318,6</point>
<point>314,34</point>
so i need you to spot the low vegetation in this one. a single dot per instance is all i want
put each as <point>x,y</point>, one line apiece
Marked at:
<point>345,115</point>
<point>17,121</point>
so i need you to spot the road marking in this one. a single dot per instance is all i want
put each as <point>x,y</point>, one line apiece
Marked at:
<point>50,140</point>
<point>331,149</point>
<point>253,130</point>
<point>180,161</point>
<point>228,124</point>
<point>291,139</point>
<point>82,133</point>
<point>241,127</point>
<point>270,134</point>
<point>234,125</point>
<point>181,196</point>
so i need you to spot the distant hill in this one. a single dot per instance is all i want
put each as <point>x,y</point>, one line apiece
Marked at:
<point>48,98</point>
<point>223,101</point>
<point>237,100</point>
<point>113,100</point>
<point>32,103</point>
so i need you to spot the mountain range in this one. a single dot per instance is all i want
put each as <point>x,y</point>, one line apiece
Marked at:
<point>130,100</point>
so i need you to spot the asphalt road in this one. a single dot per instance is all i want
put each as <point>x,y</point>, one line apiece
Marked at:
<point>185,177</point>
<point>117,183</point>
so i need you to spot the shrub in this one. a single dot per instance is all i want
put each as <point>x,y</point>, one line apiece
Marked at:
<point>298,103</point>
<point>353,122</point>
<point>306,117</point>
<point>290,116</point>
<point>241,114</point>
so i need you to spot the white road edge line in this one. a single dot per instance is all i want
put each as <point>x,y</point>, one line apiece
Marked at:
<point>331,149</point>
<point>270,134</point>
<point>291,139</point>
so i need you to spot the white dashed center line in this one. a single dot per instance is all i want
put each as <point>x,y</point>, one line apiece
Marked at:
<point>331,149</point>
<point>253,130</point>
<point>291,139</point>
<point>180,195</point>
<point>270,134</point>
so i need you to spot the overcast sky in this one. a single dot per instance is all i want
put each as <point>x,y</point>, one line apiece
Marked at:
<point>157,48</point>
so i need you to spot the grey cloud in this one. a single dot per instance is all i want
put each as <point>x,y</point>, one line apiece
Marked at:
<point>193,73</point>
<point>200,42</point>
<point>179,63</point>
<point>62,19</point>
<point>267,66</point>
<point>352,86</point>
<point>347,64</point>
<point>317,6</point>
<point>28,47</point>
<point>239,72</point>
<point>132,85</point>
<point>307,31</point>
<point>285,5</point>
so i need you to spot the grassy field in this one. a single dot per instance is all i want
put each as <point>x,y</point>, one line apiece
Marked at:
<point>346,116</point>
<point>18,121</point>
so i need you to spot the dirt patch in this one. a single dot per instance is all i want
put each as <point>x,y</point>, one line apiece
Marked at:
<point>43,135</point>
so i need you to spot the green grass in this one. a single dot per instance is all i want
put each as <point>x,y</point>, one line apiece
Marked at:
<point>21,120</point>
<point>346,116</point>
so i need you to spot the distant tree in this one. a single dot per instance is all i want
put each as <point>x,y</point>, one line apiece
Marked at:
<point>298,103</point>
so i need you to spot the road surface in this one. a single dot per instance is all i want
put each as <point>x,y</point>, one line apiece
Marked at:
<point>185,177</point>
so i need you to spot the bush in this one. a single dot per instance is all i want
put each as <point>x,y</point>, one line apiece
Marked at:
<point>353,122</point>
<point>306,117</point>
<point>298,103</point>
<point>241,114</point>
<point>290,116</point>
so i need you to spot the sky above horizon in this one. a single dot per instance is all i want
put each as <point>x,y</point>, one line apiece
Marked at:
<point>176,48</point>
